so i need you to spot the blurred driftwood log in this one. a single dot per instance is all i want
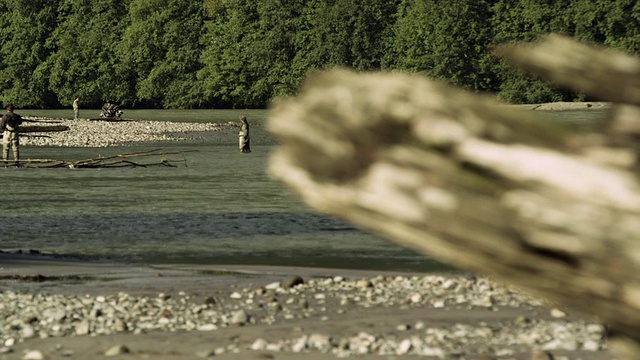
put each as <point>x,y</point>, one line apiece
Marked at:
<point>482,185</point>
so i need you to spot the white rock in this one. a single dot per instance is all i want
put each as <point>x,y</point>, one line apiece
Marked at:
<point>364,283</point>
<point>28,332</point>
<point>117,350</point>
<point>82,328</point>
<point>591,345</point>
<point>259,344</point>
<point>595,329</point>
<point>299,344</point>
<point>486,301</point>
<point>274,347</point>
<point>366,337</point>
<point>273,286</point>
<point>54,314</point>
<point>319,341</point>
<point>404,347</point>
<point>33,355</point>
<point>239,317</point>
<point>432,351</point>
<point>557,313</point>
<point>560,345</point>
<point>207,327</point>
<point>448,284</point>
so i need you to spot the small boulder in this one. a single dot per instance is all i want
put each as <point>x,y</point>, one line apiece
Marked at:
<point>239,318</point>
<point>292,282</point>
<point>117,350</point>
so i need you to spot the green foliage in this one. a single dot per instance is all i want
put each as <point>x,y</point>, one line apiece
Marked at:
<point>519,88</point>
<point>622,26</point>
<point>235,53</point>
<point>25,27</point>
<point>248,53</point>
<point>343,33</point>
<point>213,7</point>
<point>525,21</point>
<point>160,50</point>
<point>84,52</point>
<point>448,40</point>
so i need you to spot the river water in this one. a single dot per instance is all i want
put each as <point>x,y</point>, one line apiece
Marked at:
<point>218,207</point>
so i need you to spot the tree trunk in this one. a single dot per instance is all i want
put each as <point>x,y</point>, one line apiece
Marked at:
<point>481,185</point>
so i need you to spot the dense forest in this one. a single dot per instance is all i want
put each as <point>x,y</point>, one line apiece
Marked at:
<point>241,54</point>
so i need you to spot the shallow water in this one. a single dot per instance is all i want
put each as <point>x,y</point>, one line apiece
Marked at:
<point>221,208</point>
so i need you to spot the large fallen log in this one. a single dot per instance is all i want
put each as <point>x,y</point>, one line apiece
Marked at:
<point>36,125</point>
<point>481,185</point>
<point>42,128</point>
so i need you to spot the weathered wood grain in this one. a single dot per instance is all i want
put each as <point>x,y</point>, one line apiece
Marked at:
<point>478,184</point>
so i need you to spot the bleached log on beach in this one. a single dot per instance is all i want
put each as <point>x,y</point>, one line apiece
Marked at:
<point>480,185</point>
<point>42,128</point>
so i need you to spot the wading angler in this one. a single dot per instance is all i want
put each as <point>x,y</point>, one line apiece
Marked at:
<point>244,140</point>
<point>9,126</point>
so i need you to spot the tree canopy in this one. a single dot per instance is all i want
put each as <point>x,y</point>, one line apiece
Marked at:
<point>238,54</point>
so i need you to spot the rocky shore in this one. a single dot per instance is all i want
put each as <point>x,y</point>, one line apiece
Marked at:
<point>176,312</point>
<point>98,133</point>
<point>566,106</point>
<point>104,133</point>
<point>80,309</point>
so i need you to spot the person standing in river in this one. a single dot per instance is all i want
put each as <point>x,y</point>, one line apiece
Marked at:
<point>9,126</point>
<point>76,108</point>
<point>244,140</point>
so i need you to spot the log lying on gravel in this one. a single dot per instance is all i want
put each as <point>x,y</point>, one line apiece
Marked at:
<point>35,125</point>
<point>480,185</point>
<point>42,128</point>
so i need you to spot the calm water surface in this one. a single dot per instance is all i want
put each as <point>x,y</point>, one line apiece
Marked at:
<point>221,208</point>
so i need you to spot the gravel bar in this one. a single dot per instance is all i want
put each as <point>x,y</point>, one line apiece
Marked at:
<point>101,133</point>
<point>325,300</point>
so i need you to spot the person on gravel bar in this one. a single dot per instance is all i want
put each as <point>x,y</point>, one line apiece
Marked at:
<point>9,125</point>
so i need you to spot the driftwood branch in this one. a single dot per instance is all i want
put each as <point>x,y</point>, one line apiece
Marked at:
<point>120,160</point>
<point>481,185</point>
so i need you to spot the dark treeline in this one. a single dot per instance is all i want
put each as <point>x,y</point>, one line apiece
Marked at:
<point>237,53</point>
